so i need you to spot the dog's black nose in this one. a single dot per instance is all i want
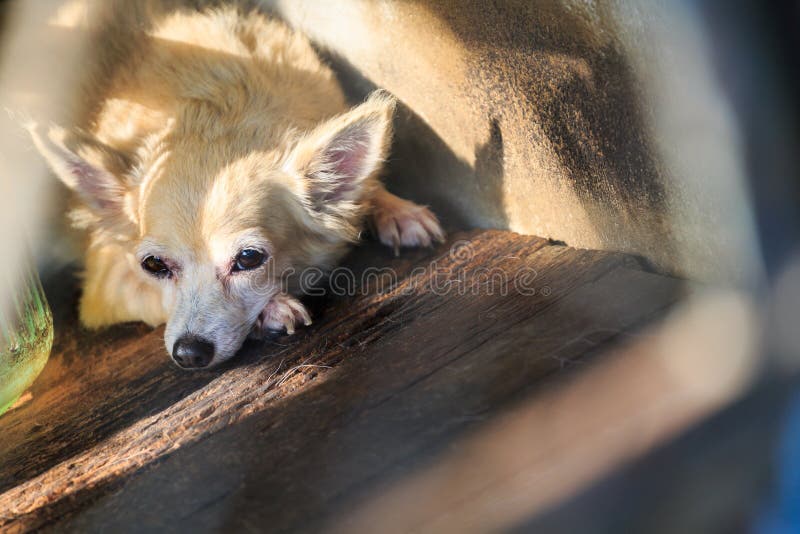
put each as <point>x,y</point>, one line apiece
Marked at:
<point>192,352</point>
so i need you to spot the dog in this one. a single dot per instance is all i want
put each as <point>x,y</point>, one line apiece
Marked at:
<point>215,150</point>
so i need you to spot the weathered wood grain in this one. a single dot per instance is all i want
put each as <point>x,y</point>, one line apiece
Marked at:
<point>304,425</point>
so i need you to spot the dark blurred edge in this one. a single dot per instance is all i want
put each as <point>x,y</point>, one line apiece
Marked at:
<point>755,48</point>
<point>709,480</point>
<point>728,474</point>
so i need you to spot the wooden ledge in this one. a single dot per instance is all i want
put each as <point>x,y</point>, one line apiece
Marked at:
<point>300,424</point>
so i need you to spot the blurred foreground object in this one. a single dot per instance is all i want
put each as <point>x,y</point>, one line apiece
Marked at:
<point>26,337</point>
<point>37,69</point>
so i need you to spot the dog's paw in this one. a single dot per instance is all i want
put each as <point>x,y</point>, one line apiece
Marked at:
<point>283,312</point>
<point>399,222</point>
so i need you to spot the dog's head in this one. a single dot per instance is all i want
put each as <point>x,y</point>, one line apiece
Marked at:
<point>217,226</point>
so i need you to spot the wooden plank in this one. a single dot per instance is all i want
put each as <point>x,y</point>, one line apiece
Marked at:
<point>388,374</point>
<point>97,383</point>
<point>557,442</point>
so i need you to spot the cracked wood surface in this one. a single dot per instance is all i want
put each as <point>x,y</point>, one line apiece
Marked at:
<point>299,427</point>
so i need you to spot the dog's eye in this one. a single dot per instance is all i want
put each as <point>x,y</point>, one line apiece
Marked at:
<point>155,266</point>
<point>248,259</point>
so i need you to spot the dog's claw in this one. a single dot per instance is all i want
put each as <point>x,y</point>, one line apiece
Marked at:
<point>300,311</point>
<point>431,224</point>
<point>396,240</point>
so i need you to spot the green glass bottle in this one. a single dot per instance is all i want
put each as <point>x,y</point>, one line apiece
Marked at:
<point>26,337</point>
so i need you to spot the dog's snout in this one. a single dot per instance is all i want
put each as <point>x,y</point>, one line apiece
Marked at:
<point>192,352</point>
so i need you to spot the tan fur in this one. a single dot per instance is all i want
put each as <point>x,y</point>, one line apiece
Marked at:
<point>203,133</point>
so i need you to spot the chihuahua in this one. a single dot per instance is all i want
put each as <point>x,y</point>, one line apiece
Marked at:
<point>213,153</point>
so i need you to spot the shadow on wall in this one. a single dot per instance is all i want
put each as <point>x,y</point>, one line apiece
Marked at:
<point>544,66</point>
<point>547,85</point>
<point>572,81</point>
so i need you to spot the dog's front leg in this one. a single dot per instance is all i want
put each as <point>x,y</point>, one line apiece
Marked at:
<point>282,312</point>
<point>399,222</point>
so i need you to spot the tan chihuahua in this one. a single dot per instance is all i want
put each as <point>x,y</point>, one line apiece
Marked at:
<point>215,153</point>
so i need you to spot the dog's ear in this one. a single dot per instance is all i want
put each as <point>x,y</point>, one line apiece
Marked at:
<point>337,157</point>
<point>99,189</point>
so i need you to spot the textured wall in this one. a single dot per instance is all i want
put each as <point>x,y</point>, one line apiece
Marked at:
<point>595,123</point>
